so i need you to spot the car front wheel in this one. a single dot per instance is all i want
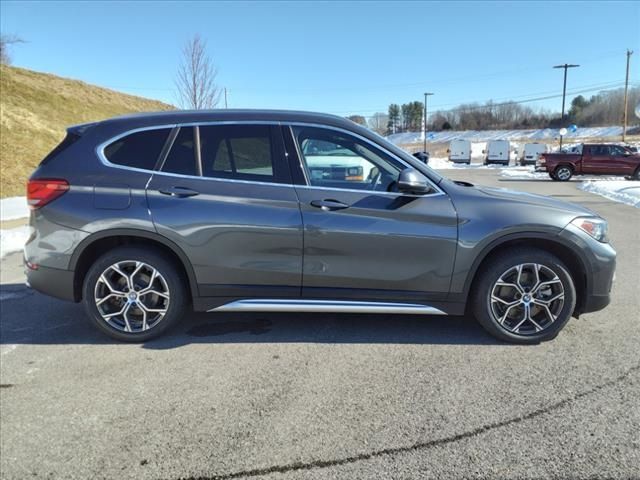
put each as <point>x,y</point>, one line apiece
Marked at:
<point>524,296</point>
<point>133,294</point>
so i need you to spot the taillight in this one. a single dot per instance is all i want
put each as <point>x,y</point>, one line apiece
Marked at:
<point>42,191</point>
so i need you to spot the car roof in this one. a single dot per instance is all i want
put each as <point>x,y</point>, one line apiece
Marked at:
<point>170,117</point>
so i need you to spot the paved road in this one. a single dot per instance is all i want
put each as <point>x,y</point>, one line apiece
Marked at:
<point>325,396</point>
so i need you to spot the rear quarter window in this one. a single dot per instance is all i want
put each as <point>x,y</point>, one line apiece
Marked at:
<point>137,150</point>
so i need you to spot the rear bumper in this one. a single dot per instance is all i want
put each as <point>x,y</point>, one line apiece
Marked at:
<point>52,281</point>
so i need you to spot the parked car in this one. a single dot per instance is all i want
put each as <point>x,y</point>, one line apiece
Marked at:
<point>498,151</point>
<point>460,151</point>
<point>532,152</point>
<point>422,156</point>
<point>144,217</point>
<point>591,159</point>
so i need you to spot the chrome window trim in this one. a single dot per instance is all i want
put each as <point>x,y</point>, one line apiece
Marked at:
<point>105,161</point>
<point>100,153</point>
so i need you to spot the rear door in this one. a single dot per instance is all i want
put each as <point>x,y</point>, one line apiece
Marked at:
<point>596,160</point>
<point>224,196</point>
<point>363,239</point>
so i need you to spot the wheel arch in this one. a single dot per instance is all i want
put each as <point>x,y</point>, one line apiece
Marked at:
<point>553,244</point>
<point>98,243</point>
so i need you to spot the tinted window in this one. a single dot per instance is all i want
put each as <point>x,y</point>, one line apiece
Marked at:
<point>181,158</point>
<point>337,160</point>
<point>241,152</point>
<point>138,150</point>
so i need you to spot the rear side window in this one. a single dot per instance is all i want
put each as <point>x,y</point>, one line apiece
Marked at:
<point>138,150</point>
<point>243,152</point>
<point>181,158</point>
<point>69,140</point>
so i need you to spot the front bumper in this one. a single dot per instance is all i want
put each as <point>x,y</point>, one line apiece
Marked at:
<point>599,261</point>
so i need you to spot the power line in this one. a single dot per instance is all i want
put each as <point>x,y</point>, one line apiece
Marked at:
<point>508,100</point>
<point>529,100</point>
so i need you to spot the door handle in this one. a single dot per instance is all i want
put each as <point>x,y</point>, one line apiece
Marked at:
<point>180,192</point>
<point>329,204</point>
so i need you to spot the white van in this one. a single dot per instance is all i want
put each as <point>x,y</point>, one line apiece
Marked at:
<point>460,151</point>
<point>497,151</point>
<point>532,152</point>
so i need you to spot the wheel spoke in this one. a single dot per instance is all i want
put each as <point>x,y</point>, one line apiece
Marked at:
<point>555,281</point>
<point>116,268</point>
<point>504,302</point>
<point>100,301</point>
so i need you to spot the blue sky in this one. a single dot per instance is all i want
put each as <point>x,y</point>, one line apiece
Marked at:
<point>343,58</point>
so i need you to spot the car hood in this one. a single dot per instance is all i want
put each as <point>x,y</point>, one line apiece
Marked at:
<point>514,196</point>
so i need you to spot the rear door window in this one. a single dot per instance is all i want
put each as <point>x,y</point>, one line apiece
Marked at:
<point>138,150</point>
<point>241,152</point>
<point>181,159</point>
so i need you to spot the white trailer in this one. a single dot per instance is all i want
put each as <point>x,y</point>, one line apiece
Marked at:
<point>532,152</point>
<point>460,151</point>
<point>498,151</point>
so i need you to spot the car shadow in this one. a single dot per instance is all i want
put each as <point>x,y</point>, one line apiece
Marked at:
<point>31,318</point>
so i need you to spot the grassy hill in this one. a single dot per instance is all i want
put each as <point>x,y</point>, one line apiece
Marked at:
<point>36,108</point>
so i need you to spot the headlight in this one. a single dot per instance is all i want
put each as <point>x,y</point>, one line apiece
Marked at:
<point>595,227</point>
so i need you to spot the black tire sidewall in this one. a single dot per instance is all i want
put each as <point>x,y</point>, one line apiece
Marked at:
<point>167,269</point>
<point>500,264</point>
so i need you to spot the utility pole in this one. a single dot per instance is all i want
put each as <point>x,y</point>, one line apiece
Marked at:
<point>426,94</point>
<point>626,88</point>
<point>566,66</point>
<point>225,98</point>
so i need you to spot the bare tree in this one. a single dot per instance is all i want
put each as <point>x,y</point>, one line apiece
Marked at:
<point>196,79</point>
<point>5,41</point>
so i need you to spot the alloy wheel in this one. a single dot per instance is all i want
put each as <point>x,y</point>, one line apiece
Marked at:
<point>527,299</point>
<point>563,173</point>
<point>131,296</point>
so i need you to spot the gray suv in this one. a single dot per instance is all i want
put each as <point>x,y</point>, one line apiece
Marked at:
<point>145,216</point>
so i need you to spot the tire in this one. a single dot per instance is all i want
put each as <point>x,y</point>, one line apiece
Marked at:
<point>553,176</point>
<point>563,173</point>
<point>636,174</point>
<point>121,313</point>
<point>510,323</point>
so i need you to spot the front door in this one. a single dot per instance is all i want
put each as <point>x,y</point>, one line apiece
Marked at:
<point>224,196</point>
<point>363,239</point>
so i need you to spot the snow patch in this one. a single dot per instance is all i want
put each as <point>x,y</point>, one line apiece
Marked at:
<point>13,208</point>
<point>623,191</point>
<point>13,239</point>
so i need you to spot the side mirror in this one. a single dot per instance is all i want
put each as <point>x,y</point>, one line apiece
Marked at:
<point>413,182</point>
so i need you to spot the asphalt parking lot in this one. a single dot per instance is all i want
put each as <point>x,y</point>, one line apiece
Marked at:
<point>325,396</point>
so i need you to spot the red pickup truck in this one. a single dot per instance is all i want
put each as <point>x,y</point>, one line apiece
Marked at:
<point>591,159</point>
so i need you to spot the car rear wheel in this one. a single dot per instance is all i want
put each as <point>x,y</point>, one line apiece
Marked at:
<point>133,294</point>
<point>524,296</point>
<point>563,173</point>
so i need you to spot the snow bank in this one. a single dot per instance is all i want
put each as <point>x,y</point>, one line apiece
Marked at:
<point>13,239</point>
<point>623,191</point>
<point>13,208</point>
<point>484,135</point>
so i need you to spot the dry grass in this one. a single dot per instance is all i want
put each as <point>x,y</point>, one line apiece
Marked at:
<point>36,108</point>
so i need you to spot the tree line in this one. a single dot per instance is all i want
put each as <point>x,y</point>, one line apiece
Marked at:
<point>602,109</point>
